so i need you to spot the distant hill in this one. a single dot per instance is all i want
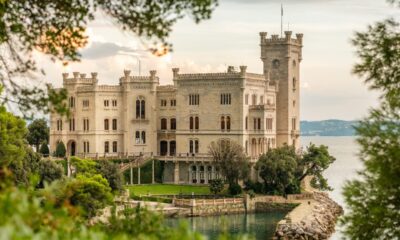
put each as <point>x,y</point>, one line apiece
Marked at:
<point>331,127</point>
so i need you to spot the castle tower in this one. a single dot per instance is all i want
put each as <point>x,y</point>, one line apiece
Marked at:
<point>281,57</point>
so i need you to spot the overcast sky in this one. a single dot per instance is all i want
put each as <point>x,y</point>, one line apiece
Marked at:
<point>328,90</point>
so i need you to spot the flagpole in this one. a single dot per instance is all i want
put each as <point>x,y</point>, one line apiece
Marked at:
<point>281,20</point>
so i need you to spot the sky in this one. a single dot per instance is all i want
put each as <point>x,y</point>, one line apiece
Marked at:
<point>231,37</point>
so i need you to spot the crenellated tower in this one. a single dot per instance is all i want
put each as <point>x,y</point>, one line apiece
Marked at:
<point>281,57</point>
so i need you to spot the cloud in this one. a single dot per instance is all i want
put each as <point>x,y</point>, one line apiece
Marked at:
<point>107,49</point>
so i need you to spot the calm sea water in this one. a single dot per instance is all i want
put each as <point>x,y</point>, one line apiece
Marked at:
<point>262,225</point>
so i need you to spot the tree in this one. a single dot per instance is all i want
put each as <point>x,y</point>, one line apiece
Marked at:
<point>49,171</point>
<point>38,132</point>
<point>373,199</point>
<point>278,168</point>
<point>313,163</point>
<point>231,159</point>
<point>58,29</point>
<point>216,185</point>
<point>60,150</point>
<point>24,170</point>
<point>44,149</point>
<point>111,172</point>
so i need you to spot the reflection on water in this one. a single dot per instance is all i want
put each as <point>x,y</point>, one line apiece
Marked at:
<point>258,225</point>
<point>262,225</point>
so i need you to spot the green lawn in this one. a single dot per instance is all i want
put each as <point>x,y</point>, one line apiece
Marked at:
<point>167,189</point>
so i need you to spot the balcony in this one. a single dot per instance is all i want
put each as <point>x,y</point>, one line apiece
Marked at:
<point>262,107</point>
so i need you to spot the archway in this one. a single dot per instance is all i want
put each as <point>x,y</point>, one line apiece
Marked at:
<point>72,148</point>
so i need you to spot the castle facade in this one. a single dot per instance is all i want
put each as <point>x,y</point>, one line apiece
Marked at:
<point>176,123</point>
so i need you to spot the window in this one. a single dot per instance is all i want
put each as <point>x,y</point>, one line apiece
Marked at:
<point>140,108</point>
<point>294,123</point>
<point>173,124</point>
<point>228,123</point>
<point>246,146</point>
<point>294,103</point>
<point>137,137</point>
<point>222,123</point>
<point>196,123</point>
<point>225,99</point>
<point>194,99</point>
<point>72,124</point>
<point>114,124</point>
<point>254,99</point>
<point>246,123</point>
<point>163,103</point>
<point>246,99</point>
<point>106,103</point>
<point>143,137</point>
<point>194,146</point>
<point>59,125</point>
<point>191,123</point>
<point>71,102</point>
<point>115,146</point>
<point>106,127</point>
<point>106,147</point>
<point>114,102</point>
<point>268,123</point>
<point>86,147</point>
<point>259,123</point>
<point>173,102</point>
<point>294,84</point>
<point>261,99</point>
<point>254,123</point>
<point>294,63</point>
<point>163,124</point>
<point>85,103</point>
<point>85,124</point>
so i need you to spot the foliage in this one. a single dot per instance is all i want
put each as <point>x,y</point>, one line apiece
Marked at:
<point>38,133</point>
<point>58,29</point>
<point>373,199</point>
<point>12,138</point>
<point>168,189</point>
<point>84,166</point>
<point>313,163</point>
<point>216,185</point>
<point>49,171</point>
<point>60,150</point>
<point>89,193</point>
<point>234,189</point>
<point>24,170</point>
<point>277,168</point>
<point>44,149</point>
<point>111,172</point>
<point>256,187</point>
<point>229,156</point>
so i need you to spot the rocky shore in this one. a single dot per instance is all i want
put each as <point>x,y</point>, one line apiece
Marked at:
<point>312,219</point>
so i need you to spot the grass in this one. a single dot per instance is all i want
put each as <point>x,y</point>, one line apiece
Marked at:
<point>167,189</point>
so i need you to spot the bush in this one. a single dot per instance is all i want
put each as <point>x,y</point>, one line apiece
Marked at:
<point>110,171</point>
<point>235,189</point>
<point>44,149</point>
<point>256,187</point>
<point>216,185</point>
<point>49,171</point>
<point>60,150</point>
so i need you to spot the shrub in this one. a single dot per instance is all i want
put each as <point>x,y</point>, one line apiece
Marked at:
<point>60,150</point>
<point>216,185</point>
<point>49,171</point>
<point>235,189</point>
<point>44,149</point>
<point>110,171</point>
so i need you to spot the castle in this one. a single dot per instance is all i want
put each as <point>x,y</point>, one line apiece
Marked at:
<point>176,123</point>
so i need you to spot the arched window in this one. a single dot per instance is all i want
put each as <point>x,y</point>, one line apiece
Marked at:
<point>137,137</point>
<point>106,127</point>
<point>143,137</point>
<point>138,108</point>
<point>172,148</point>
<point>228,123</point>
<point>115,146</point>
<point>71,102</point>
<point>196,146</point>
<point>114,124</point>
<point>143,109</point>
<point>106,147</point>
<point>191,123</point>
<point>247,123</point>
<point>173,124</point>
<point>196,123</point>
<point>222,123</point>
<point>163,124</point>
<point>191,146</point>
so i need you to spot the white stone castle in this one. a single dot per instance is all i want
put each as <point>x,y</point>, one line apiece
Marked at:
<point>176,123</point>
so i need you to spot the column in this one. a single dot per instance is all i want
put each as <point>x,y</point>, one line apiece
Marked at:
<point>152,171</point>
<point>176,172</point>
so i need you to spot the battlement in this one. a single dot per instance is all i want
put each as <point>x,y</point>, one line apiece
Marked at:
<point>128,78</point>
<point>80,79</point>
<point>231,73</point>
<point>287,39</point>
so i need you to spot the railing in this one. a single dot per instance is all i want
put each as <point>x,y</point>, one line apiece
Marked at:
<point>206,202</point>
<point>262,107</point>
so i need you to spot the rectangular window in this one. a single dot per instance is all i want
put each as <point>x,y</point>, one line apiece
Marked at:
<point>268,124</point>
<point>106,147</point>
<point>254,123</point>
<point>225,99</point>
<point>115,146</point>
<point>194,99</point>
<point>114,103</point>
<point>59,125</point>
<point>106,103</point>
<point>259,123</point>
<point>72,124</point>
<point>246,99</point>
<point>86,147</point>
<point>85,124</point>
<point>163,103</point>
<point>247,123</point>
<point>114,124</point>
<point>293,123</point>
<point>85,103</point>
<point>173,102</point>
<point>191,146</point>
